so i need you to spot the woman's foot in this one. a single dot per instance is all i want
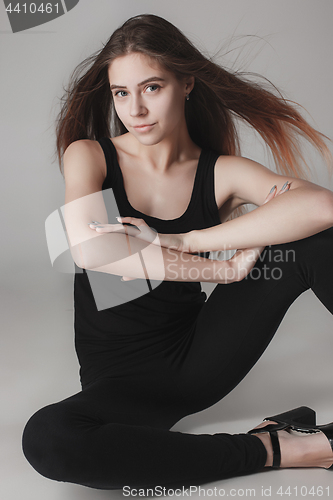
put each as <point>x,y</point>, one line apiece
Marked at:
<point>298,449</point>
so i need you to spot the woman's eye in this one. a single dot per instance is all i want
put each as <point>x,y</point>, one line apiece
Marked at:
<point>152,87</point>
<point>121,92</point>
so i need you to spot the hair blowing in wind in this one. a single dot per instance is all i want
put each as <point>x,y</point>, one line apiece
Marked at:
<point>219,96</point>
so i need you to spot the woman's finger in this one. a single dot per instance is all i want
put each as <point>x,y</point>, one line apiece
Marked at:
<point>115,228</point>
<point>273,191</point>
<point>285,188</point>
<point>131,226</point>
<point>132,220</point>
<point>270,195</point>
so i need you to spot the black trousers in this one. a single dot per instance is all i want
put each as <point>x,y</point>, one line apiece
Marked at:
<point>115,432</point>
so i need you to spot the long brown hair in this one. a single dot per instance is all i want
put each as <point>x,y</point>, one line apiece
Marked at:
<point>218,99</point>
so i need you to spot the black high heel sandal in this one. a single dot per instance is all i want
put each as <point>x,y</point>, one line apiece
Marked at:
<point>302,419</point>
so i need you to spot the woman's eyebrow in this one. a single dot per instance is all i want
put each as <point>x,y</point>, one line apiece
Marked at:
<point>153,78</point>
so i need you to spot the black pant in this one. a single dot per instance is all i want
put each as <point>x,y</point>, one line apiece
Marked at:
<point>116,431</point>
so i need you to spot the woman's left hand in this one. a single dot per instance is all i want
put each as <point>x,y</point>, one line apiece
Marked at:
<point>141,231</point>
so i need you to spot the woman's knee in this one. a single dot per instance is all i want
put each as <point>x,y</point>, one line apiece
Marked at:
<point>44,442</point>
<point>300,254</point>
<point>63,443</point>
<point>317,244</point>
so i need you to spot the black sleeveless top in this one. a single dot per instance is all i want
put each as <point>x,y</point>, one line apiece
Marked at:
<point>102,336</point>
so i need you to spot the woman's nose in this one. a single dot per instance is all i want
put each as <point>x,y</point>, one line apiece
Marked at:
<point>137,108</point>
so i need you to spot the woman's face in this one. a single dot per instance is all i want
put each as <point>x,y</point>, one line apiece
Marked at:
<point>148,99</point>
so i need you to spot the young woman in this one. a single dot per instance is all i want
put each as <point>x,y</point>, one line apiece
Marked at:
<point>171,160</point>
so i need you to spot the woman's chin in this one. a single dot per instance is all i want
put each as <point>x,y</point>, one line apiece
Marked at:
<point>148,139</point>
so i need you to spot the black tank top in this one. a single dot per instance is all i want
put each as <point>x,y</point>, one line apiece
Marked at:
<point>169,307</point>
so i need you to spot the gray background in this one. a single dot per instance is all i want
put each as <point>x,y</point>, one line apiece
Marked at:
<point>292,47</point>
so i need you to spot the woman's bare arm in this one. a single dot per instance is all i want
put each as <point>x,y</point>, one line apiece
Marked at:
<point>303,211</point>
<point>168,264</point>
<point>117,253</point>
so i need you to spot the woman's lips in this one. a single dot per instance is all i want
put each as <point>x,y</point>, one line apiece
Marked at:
<point>143,127</point>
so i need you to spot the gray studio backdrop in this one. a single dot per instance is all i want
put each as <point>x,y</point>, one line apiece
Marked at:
<point>291,44</point>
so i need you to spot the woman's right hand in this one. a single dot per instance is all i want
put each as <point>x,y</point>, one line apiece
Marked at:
<point>244,260</point>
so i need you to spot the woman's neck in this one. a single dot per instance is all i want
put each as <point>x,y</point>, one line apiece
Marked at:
<point>159,157</point>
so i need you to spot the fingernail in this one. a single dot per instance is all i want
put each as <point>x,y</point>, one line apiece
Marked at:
<point>284,185</point>
<point>100,227</point>
<point>271,191</point>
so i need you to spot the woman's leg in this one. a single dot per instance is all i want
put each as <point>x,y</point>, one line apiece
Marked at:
<point>312,450</point>
<point>72,441</point>
<point>87,439</point>
<point>238,320</point>
<point>94,439</point>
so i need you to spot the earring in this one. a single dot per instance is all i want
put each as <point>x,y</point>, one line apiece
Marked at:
<point>187,97</point>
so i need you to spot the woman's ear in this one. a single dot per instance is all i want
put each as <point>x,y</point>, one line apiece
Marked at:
<point>189,82</point>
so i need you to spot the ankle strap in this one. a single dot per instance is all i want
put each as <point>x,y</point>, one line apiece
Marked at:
<point>276,449</point>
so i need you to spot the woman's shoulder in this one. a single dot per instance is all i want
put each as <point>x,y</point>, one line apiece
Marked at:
<point>239,165</point>
<point>83,146</point>
<point>230,160</point>
<point>85,155</point>
<point>228,167</point>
